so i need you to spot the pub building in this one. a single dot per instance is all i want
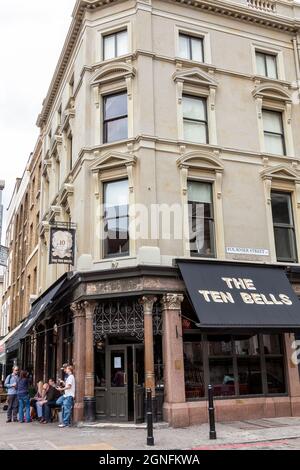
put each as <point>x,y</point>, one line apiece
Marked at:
<point>175,330</point>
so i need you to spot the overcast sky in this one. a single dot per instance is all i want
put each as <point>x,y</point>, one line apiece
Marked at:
<point>32,34</point>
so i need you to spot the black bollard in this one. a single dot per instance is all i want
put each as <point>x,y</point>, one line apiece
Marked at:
<point>211,413</point>
<point>150,438</point>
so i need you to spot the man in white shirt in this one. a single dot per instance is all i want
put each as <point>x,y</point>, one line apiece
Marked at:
<point>68,397</point>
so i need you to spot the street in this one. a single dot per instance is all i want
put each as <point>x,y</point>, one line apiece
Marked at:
<point>262,434</point>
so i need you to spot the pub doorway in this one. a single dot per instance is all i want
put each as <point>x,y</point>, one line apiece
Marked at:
<point>119,384</point>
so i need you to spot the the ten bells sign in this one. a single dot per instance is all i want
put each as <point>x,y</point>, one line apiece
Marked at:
<point>241,295</point>
<point>246,290</point>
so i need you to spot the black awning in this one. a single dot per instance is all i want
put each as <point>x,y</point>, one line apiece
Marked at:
<point>39,306</point>
<point>241,296</point>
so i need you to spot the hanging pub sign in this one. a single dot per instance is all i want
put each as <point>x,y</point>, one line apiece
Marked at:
<point>62,245</point>
<point>3,255</point>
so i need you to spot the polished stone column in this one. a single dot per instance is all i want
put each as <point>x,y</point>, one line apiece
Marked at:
<point>79,358</point>
<point>175,409</point>
<point>45,359</point>
<point>148,303</point>
<point>89,398</point>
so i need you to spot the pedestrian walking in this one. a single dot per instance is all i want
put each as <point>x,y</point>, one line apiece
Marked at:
<point>10,384</point>
<point>23,397</point>
<point>68,398</point>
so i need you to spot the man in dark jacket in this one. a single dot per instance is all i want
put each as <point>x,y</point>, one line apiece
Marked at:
<point>52,396</point>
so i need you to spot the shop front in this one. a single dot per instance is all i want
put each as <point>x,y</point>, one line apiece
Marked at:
<point>238,323</point>
<point>175,331</point>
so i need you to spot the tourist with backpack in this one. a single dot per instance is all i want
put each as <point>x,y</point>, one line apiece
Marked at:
<point>11,384</point>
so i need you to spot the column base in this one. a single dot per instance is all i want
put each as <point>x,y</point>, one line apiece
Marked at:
<point>176,414</point>
<point>89,409</point>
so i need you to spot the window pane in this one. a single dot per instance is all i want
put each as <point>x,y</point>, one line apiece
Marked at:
<point>281,208</point>
<point>194,108</point>
<point>116,237</point>
<point>195,132</point>
<point>285,244</point>
<point>247,346</point>
<point>109,47</point>
<point>271,66</point>
<point>184,50</point>
<point>118,368</point>
<point>116,130</point>
<point>272,344</point>
<point>272,121</point>
<point>202,237</point>
<point>199,192</point>
<point>115,106</point>
<point>275,375</point>
<point>221,376</point>
<point>260,64</point>
<point>274,144</point>
<point>220,346</point>
<point>249,372</point>
<point>193,369</point>
<point>116,193</point>
<point>197,49</point>
<point>122,43</point>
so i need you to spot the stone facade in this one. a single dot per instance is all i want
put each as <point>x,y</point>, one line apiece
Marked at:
<point>159,160</point>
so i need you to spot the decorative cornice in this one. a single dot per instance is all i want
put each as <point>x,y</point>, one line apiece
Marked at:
<point>235,11</point>
<point>282,172</point>
<point>201,160</point>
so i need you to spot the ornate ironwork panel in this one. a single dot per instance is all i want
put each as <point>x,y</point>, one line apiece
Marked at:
<point>123,317</point>
<point>157,319</point>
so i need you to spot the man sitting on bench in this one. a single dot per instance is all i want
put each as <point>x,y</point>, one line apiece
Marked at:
<point>52,396</point>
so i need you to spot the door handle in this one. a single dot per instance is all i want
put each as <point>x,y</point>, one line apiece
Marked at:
<point>136,378</point>
<point>125,379</point>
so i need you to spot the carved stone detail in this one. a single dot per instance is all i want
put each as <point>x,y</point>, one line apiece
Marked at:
<point>172,301</point>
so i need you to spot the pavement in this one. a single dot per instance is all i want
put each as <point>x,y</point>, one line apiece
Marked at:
<point>270,434</point>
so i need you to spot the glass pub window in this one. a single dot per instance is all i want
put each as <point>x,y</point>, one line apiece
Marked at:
<point>201,219</point>
<point>115,45</point>
<point>115,118</point>
<point>284,230</point>
<point>116,219</point>
<point>273,132</point>
<point>266,65</point>
<point>191,47</point>
<point>195,126</point>
<point>239,366</point>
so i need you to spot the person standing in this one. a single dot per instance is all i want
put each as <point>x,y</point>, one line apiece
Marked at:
<point>23,397</point>
<point>68,398</point>
<point>10,384</point>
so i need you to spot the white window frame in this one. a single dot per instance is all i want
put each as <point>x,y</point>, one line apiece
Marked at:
<point>112,30</point>
<point>197,33</point>
<point>275,51</point>
<point>281,112</point>
<point>204,167</point>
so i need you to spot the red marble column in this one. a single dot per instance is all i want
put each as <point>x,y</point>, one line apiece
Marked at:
<point>89,398</point>
<point>79,358</point>
<point>148,303</point>
<point>175,407</point>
